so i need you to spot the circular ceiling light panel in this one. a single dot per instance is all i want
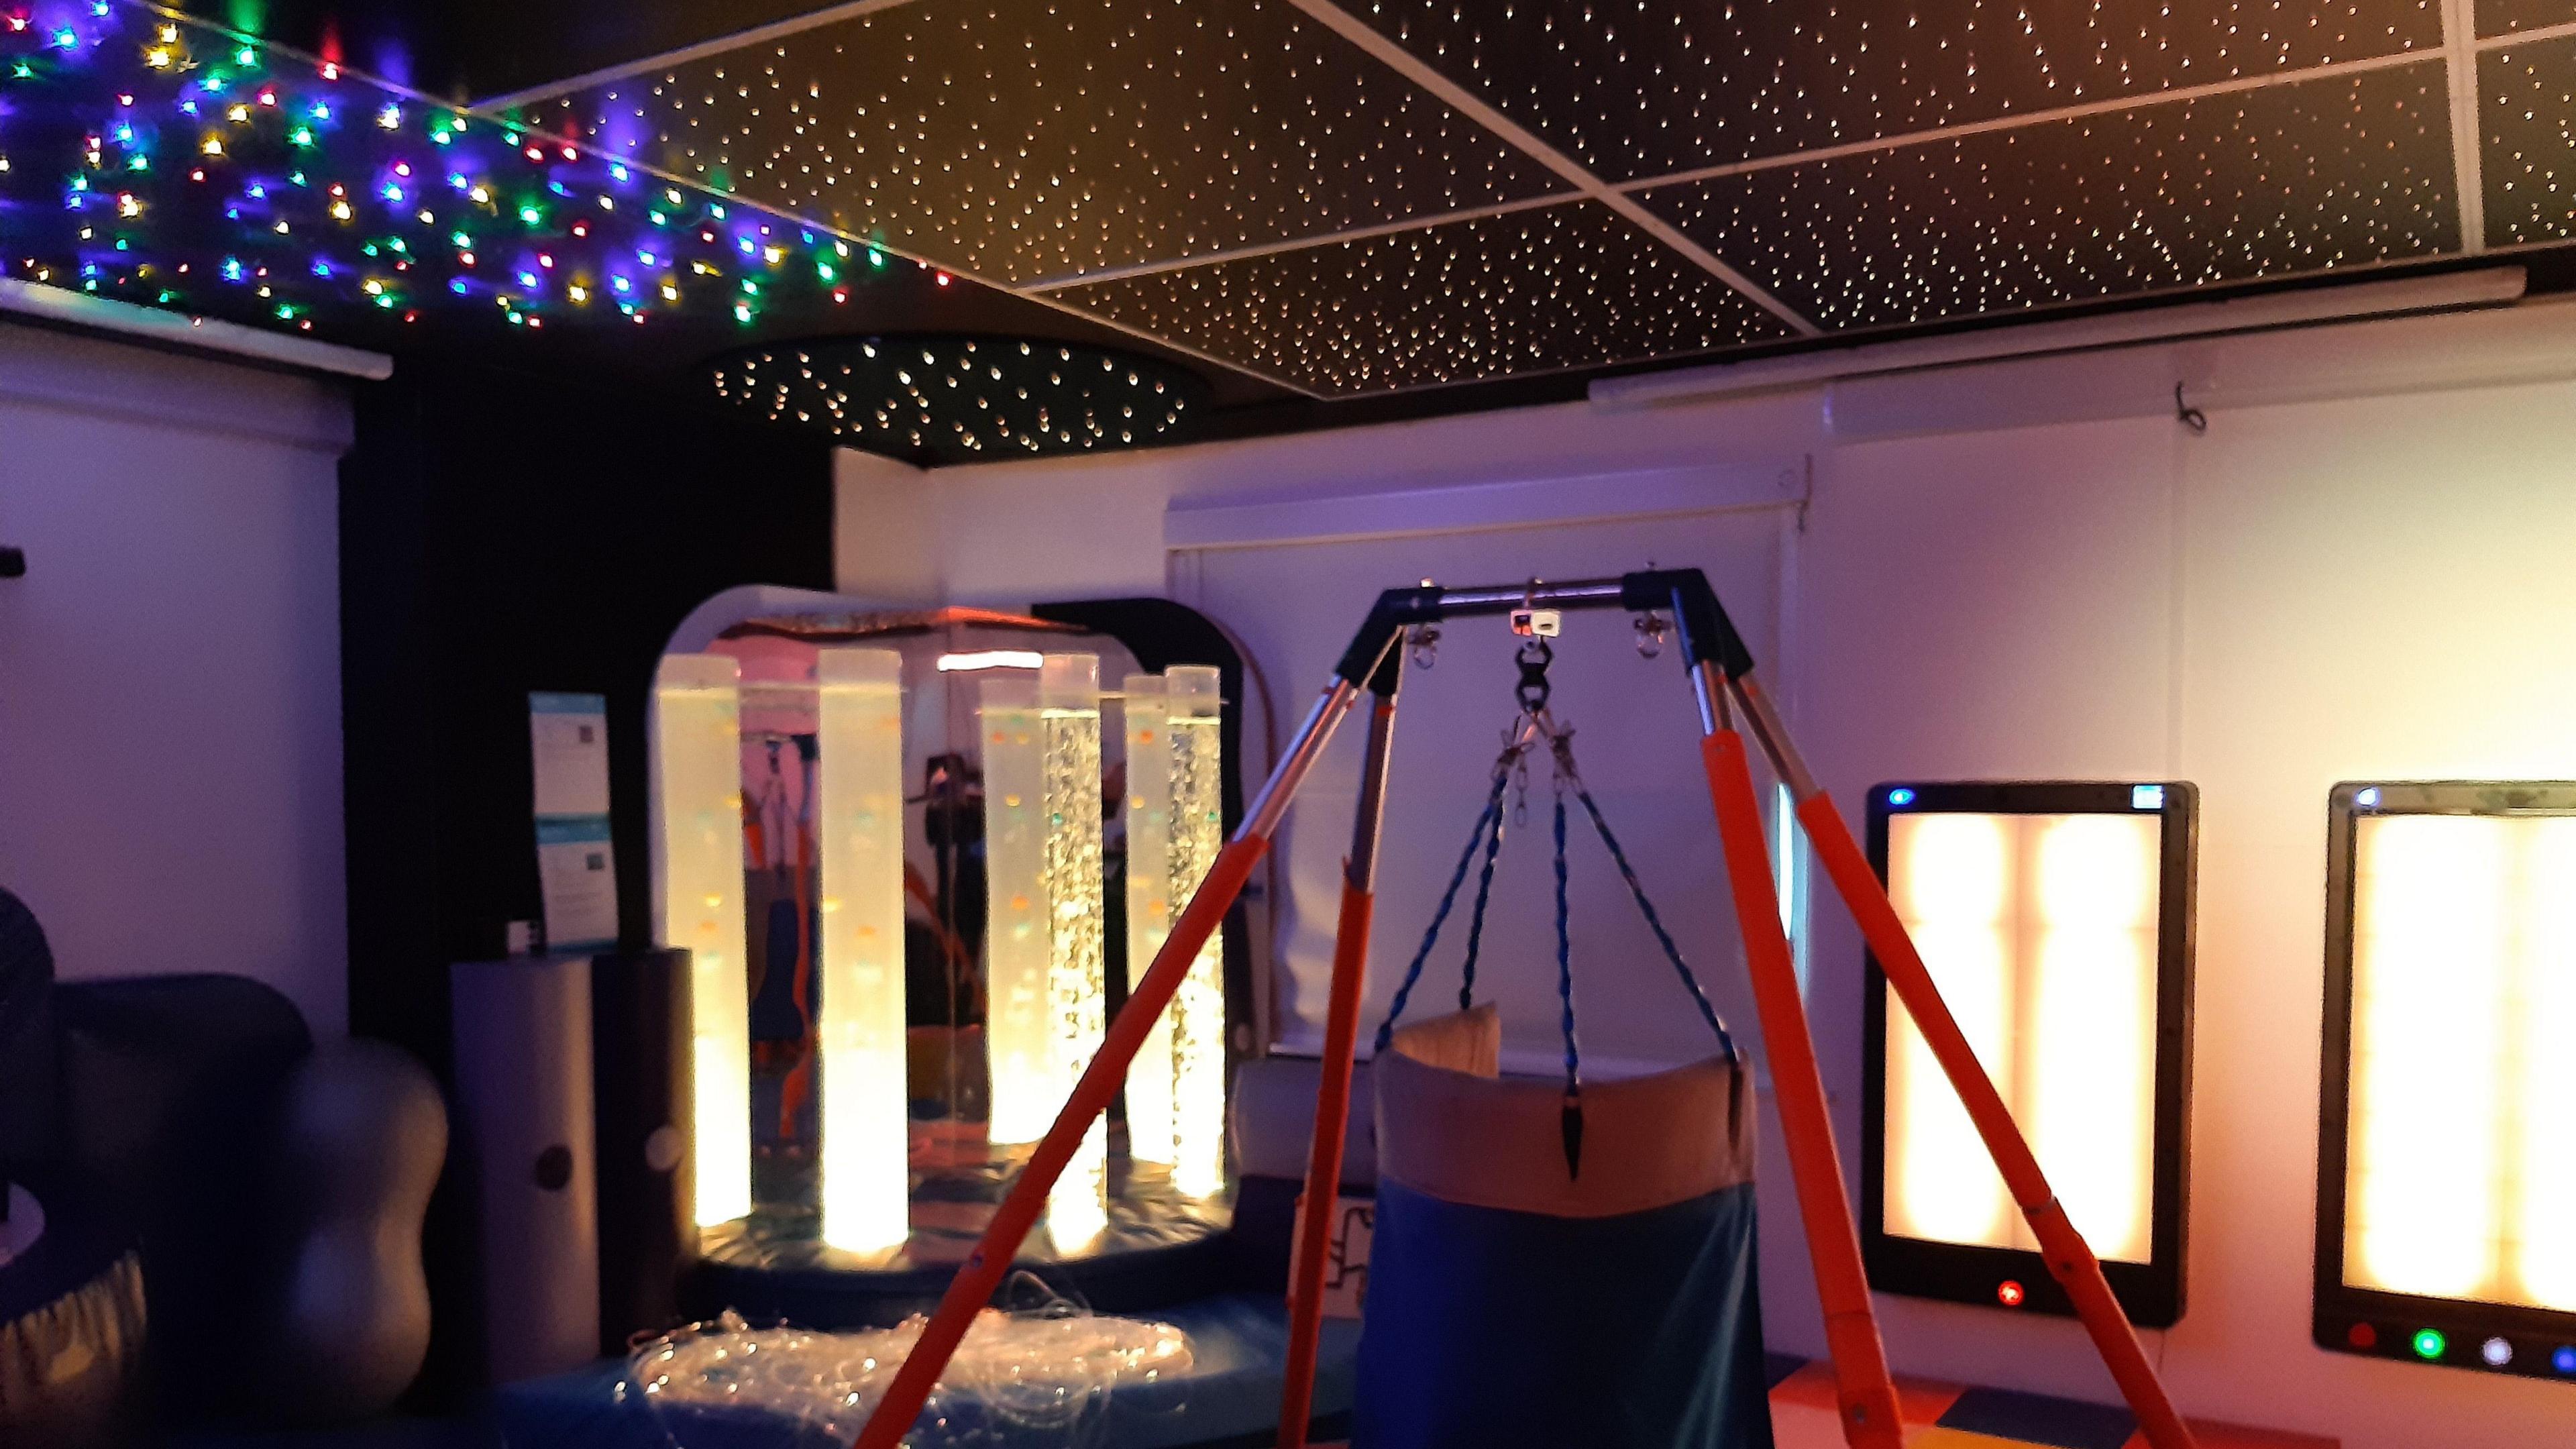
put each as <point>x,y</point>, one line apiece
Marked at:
<point>948,398</point>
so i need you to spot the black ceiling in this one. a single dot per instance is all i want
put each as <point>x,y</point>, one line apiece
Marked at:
<point>1640,90</point>
<point>2290,177</point>
<point>1319,202</point>
<point>1027,141</point>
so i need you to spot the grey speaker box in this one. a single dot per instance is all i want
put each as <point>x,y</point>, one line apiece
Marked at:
<point>525,1122</point>
<point>640,1055</point>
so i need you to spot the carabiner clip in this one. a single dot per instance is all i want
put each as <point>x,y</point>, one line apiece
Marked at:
<point>1533,657</point>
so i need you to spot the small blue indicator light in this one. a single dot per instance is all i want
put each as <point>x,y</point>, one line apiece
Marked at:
<point>2367,799</point>
<point>2147,797</point>
<point>2564,1360</point>
<point>1900,796</point>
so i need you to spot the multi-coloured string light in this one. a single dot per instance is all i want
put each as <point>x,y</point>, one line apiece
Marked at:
<point>156,159</point>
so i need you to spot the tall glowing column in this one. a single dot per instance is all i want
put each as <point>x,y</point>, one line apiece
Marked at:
<point>697,704</point>
<point>1019,1041</point>
<point>859,1025</point>
<point>1077,996</point>
<point>1192,705</point>
<point>1149,907</point>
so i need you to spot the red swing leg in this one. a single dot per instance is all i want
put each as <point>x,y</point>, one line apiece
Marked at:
<point>2070,1260</point>
<point>1333,1096</point>
<point>1863,1391</point>
<point>985,1268</point>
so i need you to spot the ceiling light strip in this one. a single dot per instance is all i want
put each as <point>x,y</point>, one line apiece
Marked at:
<point>961,274</point>
<point>358,363</point>
<point>1475,108</point>
<point>1296,244</point>
<point>2019,120</point>
<point>722,44</point>
<point>2459,47</point>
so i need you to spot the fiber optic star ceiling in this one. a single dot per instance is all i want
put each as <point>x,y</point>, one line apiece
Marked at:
<point>1313,203</point>
<point>964,399</point>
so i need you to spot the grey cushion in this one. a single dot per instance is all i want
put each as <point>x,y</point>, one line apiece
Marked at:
<point>1274,1120</point>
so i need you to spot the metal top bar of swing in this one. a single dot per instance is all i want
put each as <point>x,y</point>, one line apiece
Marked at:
<point>1706,634</point>
<point>1581,594</point>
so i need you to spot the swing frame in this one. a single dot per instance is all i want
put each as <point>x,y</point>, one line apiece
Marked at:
<point>1721,673</point>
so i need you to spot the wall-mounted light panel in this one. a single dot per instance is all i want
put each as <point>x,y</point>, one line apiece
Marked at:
<point>2446,1193</point>
<point>2057,919</point>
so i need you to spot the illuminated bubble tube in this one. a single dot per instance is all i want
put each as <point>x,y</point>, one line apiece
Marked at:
<point>697,702</point>
<point>1017,934</point>
<point>860,1030</point>
<point>1197,1014</point>
<point>1077,994</point>
<point>1149,905</point>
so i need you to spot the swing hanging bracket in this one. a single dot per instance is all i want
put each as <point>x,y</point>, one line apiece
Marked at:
<point>1684,596</point>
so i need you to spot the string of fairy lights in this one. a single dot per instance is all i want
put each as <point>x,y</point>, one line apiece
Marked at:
<point>157,159</point>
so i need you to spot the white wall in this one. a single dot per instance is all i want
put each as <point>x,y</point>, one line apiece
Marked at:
<point>170,665</point>
<point>2358,572</point>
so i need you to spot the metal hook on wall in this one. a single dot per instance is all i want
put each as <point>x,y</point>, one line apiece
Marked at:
<point>2189,416</point>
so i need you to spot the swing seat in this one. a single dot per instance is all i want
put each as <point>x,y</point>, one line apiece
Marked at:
<point>1513,1304</point>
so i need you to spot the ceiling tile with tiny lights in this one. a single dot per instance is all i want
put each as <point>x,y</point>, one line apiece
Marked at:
<point>1642,88</point>
<point>1538,290</point>
<point>2295,178</point>
<point>1024,140</point>
<point>2527,126</point>
<point>953,399</point>
<point>2508,17</point>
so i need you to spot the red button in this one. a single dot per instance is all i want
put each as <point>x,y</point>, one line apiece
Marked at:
<point>2362,1335</point>
<point>2008,1293</point>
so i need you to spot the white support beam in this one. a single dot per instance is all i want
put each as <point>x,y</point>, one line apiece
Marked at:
<point>2020,120</point>
<point>1474,107</point>
<point>2460,51</point>
<point>1298,243</point>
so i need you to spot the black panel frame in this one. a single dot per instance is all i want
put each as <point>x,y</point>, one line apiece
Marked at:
<point>2340,1312</point>
<point>2151,1293</point>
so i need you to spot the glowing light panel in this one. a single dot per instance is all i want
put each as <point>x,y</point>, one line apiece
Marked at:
<point>2460,1181</point>
<point>860,1021</point>
<point>974,660</point>
<point>697,700</point>
<point>2041,931</point>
